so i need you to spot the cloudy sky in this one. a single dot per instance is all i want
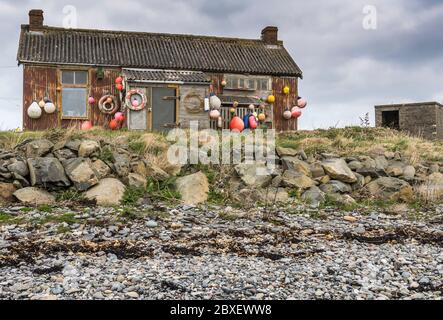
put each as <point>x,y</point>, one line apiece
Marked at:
<point>347,68</point>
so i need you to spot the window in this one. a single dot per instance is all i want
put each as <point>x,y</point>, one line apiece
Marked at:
<point>247,83</point>
<point>74,94</point>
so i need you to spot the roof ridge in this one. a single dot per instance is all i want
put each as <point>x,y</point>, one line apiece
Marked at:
<point>158,34</point>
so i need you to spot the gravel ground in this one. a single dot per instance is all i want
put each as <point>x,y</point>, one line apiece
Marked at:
<point>161,252</point>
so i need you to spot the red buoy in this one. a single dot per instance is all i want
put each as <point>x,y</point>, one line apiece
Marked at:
<point>113,124</point>
<point>237,124</point>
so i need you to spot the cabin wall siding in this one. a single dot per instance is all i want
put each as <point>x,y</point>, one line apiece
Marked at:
<point>283,101</point>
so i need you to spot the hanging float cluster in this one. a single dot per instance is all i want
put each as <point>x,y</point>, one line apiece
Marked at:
<point>35,109</point>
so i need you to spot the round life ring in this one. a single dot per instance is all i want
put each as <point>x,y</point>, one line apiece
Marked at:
<point>135,100</point>
<point>108,104</point>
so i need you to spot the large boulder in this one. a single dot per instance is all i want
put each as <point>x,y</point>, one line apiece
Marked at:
<point>297,165</point>
<point>81,174</point>
<point>38,148</point>
<point>64,154</point>
<point>391,189</point>
<point>108,192</point>
<point>409,173</point>
<point>292,179</point>
<point>286,152</point>
<point>193,189</point>
<point>314,197</point>
<point>7,192</point>
<point>48,173</point>
<point>254,175</point>
<point>34,196</point>
<point>337,169</point>
<point>88,148</point>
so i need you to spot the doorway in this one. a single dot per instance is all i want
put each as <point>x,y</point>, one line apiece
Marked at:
<point>391,119</point>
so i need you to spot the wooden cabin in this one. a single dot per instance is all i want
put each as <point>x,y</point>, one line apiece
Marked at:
<point>165,79</point>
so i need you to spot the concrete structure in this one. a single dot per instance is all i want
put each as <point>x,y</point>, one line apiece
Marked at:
<point>423,119</point>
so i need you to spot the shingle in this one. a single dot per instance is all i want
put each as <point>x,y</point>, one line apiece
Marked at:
<point>165,76</point>
<point>155,51</point>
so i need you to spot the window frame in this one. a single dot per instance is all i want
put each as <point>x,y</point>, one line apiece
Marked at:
<point>85,86</point>
<point>233,83</point>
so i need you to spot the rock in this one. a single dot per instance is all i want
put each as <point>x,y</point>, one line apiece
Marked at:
<point>73,145</point>
<point>138,167</point>
<point>391,189</point>
<point>372,172</point>
<point>368,179</point>
<point>277,181</point>
<point>38,148</point>
<point>101,169</point>
<point>286,152</point>
<point>19,167</point>
<point>398,156</point>
<point>275,195</point>
<point>350,219</point>
<point>136,181</point>
<point>81,174</point>
<point>121,164</point>
<point>193,189</point>
<point>335,186</point>
<point>88,148</point>
<point>381,163</point>
<point>34,196</point>
<point>337,169</point>
<point>291,179</point>
<point>155,172</point>
<point>367,162</point>
<point>317,170</point>
<point>64,154</point>
<point>408,173</point>
<point>361,182</point>
<point>389,155</point>
<point>151,224</point>
<point>355,165</point>
<point>314,197</point>
<point>434,168</point>
<point>7,193</point>
<point>108,192</point>
<point>394,171</point>
<point>297,165</point>
<point>323,180</point>
<point>254,175</point>
<point>48,173</point>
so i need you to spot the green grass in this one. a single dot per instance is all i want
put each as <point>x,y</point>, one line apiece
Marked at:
<point>106,155</point>
<point>68,218</point>
<point>45,208</point>
<point>163,190</point>
<point>69,195</point>
<point>5,217</point>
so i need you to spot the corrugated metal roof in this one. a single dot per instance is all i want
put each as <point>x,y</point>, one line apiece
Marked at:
<point>165,76</point>
<point>154,51</point>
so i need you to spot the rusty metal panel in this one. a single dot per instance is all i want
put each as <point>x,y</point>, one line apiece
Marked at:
<point>39,82</point>
<point>283,101</point>
<point>216,80</point>
<point>99,88</point>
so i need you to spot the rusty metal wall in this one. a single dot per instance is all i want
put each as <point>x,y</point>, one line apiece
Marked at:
<point>283,101</point>
<point>39,82</point>
<point>39,79</point>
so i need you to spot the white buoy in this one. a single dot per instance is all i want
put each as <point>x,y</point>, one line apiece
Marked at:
<point>34,111</point>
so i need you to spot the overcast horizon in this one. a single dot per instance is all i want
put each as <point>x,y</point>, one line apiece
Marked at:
<point>347,68</point>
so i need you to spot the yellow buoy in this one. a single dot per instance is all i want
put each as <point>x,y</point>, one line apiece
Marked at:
<point>271,99</point>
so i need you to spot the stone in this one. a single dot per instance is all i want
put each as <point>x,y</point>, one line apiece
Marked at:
<point>151,224</point>
<point>193,189</point>
<point>335,186</point>
<point>389,155</point>
<point>7,192</point>
<point>277,181</point>
<point>286,152</point>
<point>19,167</point>
<point>80,173</point>
<point>434,168</point>
<point>323,180</point>
<point>350,219</point>
<point>108,192</point>
<point>317,170</point>
<point>38,148</point>
<point>275,195</point>
<point>297,165</point>
<point>64,154</point>
<point>361,182</point>
<point>88,148</point>
<point>34,196</point>
<point>48,173</point>
<point>73,145</point>
<point>337,169</point>
<point>154,172</point>
<point>101,169</point>
<point>381,163</point>
<point>291,179</point>
<point>314,197</point>
<point>391,189</point>
<point>355,165</point>
<point>254,175</point>
<point>121,164</point>
<point>409,173</point>
<point>372,172</point>
<point>136,181</point>
<point>138,167</point>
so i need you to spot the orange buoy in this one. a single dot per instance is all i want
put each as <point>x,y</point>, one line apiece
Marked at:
<point>113,124</point>
<point>237,124</point>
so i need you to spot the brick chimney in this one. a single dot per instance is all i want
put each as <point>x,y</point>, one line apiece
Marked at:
<point>36,20</point>
<point>269,35</point>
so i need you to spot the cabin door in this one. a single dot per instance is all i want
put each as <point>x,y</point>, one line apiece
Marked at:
<point>164,108</point>
<point>138,120</point>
